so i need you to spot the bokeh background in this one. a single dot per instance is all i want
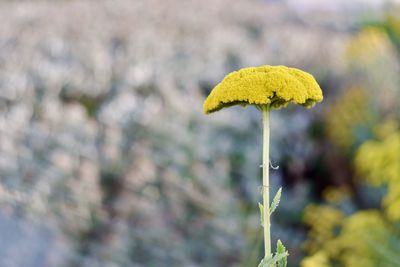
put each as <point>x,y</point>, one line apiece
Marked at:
<point>106,158</point>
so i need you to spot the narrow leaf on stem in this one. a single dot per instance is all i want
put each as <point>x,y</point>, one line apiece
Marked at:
<point>275,201</point>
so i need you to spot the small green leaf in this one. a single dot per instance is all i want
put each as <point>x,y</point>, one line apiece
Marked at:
<point>275,201</point>
<point>261,207</point>
<point>280,248</point>
<point>272,261</point>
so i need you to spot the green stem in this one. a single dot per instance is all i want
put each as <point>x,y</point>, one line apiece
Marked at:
<point>267,224</point>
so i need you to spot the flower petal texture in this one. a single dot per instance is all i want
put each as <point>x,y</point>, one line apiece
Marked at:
<point>274,85</point>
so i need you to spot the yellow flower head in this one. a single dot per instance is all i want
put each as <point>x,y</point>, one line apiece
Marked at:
<point>274,85</point>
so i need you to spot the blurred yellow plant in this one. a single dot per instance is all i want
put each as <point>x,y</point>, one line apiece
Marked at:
<point>366,238</point>
<point>378,162</point>
<point>324,221</point>
<point>348,113</point>
<point>386,128</point>
<point>319,259</point>
<point>361,237</point>
<point>273,85</point>
<point>363,241</point>
<point>335,195</point>
<point>368,46</point>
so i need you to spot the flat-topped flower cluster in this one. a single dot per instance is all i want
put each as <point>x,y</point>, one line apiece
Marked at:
<point>274,85</point>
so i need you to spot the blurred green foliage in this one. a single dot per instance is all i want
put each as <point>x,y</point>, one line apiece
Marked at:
<point>348,229</point>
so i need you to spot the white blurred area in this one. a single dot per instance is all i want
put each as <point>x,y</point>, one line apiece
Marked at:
<point>341,5</point>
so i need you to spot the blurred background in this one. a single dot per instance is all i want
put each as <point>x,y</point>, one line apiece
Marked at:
<point>106,158</point>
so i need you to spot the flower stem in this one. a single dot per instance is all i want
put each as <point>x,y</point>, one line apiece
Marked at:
<point>267,224</point>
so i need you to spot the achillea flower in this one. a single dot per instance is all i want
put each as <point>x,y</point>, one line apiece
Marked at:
<point>273,85</point>
<point>267,87</point>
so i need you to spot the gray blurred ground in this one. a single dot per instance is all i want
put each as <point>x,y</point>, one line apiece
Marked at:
<point>24,243</point>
